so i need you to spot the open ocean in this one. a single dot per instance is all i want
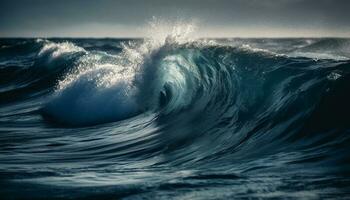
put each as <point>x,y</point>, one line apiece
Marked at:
<point>175,118</point>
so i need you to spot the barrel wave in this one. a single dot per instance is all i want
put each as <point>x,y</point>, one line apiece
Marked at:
<point>174,118</point>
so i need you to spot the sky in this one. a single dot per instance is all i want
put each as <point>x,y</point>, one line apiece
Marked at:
<point>213,18</point>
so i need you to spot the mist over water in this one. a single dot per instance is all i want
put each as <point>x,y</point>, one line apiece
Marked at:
<point>171,116</point>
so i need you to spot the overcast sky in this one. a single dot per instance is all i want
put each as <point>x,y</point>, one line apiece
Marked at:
<point>214,18</point>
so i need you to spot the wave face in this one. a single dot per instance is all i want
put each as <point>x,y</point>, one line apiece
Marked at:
<point>174,118</point>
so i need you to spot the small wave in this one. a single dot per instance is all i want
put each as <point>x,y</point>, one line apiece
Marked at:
<point>325,48</point>
<point>318,56</point>
<point>55,50</point>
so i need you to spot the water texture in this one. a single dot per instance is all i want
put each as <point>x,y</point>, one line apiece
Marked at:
<point>174,118</point>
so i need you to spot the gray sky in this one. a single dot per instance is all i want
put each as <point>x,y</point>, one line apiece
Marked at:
<point>214,18</point>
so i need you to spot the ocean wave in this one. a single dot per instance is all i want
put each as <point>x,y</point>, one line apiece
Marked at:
<point>145,117</point>
<point>165,76</point>
<point>55,50</point>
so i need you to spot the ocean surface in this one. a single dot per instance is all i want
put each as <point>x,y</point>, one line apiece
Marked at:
<point>175,118</point>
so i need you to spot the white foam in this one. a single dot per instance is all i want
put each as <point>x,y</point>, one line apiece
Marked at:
<point>97,90</point>
<point>334,76</point>
<point>55,50</point>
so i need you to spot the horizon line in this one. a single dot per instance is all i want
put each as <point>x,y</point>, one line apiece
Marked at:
<point>229,37</point>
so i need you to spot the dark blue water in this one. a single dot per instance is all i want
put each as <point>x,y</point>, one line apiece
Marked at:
<point>175,119</point>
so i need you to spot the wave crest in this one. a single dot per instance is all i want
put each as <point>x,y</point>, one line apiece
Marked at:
<point>55,50</point>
